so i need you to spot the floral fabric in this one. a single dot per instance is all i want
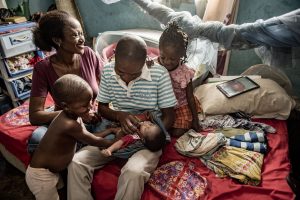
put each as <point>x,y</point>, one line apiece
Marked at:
<point>180,78</point>
<point>178,180</point>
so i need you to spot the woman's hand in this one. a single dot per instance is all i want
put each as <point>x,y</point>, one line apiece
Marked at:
<point>129,123</point>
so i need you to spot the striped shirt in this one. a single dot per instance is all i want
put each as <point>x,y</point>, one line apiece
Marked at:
<point>152,90</point>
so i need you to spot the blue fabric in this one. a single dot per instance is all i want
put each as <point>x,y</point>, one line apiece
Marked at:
<point>156,119</point>
<point>252,140</point>
<point>35,138</point>
<point>275,34</point>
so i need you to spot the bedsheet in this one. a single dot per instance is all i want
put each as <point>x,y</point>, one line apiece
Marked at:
<point>273,185</point>
<point>15,131</point>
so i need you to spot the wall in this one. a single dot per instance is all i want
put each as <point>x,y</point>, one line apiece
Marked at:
<point>34,5</point>
<point>99,17</point>
<point>250,11</point>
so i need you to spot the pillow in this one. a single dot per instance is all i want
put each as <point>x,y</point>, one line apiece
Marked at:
<point>268,101</point>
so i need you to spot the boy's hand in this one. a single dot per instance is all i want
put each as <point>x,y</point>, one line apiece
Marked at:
<point>129,123</point>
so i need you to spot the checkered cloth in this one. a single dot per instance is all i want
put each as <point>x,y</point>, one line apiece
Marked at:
<point>183,116</point>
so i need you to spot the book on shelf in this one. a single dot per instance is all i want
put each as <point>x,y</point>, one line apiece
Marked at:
<point>15,19</point>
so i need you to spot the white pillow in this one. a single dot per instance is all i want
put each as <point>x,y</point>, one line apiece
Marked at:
<point>268,101</point>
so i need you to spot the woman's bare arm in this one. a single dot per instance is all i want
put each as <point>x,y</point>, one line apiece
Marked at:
<point>37,115</point>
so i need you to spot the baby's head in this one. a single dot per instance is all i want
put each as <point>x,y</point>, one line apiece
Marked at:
<point>173,46</point>
<point>130,55</point>
<point>152,135</point>
<point>73,93</point>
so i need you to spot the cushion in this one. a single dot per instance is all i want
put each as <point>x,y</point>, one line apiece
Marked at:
<point>268,101</point>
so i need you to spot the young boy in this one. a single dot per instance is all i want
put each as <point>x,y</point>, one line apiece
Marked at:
<point>57,147</point>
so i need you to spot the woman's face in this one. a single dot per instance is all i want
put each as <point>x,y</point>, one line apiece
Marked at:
<point>73,41</point>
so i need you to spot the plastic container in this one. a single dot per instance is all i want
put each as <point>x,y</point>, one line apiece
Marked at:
<point>20,88</point>
<point>19,65</point>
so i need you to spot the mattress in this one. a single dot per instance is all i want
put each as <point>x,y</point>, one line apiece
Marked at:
<point>15,131</point>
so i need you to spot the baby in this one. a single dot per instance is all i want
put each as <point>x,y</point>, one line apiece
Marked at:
<point>150,135</point>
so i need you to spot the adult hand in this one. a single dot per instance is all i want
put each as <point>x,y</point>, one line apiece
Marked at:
<point>91,118</point>
<point>129,123</point>
<point>117,132</point>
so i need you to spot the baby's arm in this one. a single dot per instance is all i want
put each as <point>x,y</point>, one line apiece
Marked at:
<point>114,147</point>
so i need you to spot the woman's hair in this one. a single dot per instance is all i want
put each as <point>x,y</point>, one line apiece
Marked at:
<point>50,25</point>
<point>69,88</point>
<point>174,35</point>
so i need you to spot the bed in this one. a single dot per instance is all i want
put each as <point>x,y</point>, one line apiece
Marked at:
<point>276,164</point>
<point>15,131</point>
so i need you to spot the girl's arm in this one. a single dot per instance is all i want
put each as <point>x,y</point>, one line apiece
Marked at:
<point>192,106</point>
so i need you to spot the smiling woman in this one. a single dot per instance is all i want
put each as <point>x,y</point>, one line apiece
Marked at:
<point>59,31</point>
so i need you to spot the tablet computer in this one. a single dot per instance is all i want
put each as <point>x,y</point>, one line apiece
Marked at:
<point>237,86</point>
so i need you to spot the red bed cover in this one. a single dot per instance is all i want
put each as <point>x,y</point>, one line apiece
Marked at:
<point>15,131</point>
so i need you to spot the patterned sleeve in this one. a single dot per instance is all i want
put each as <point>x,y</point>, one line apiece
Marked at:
<point>166,97</point>
<point>104,95</point>
<point>188,75</point>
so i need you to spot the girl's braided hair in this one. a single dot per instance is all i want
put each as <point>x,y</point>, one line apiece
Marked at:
<point>173,34</point>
